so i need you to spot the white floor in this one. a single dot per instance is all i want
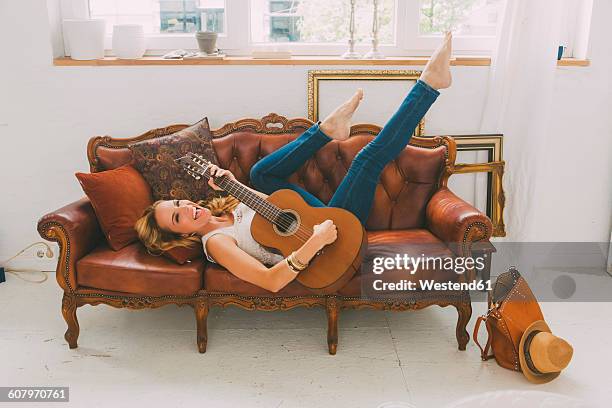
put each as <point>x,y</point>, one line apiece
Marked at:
<point>275,359</point>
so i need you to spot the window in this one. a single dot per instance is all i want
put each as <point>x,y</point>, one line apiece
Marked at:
<point>311,27</point>
<point>474,23</point>
<point>276,21</point>
<point>318,21</point>
<point>575,33</point>
<point>465,18</point>
<point>162,16</point>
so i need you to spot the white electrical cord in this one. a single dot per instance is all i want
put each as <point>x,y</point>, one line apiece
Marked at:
<point>17,272</point>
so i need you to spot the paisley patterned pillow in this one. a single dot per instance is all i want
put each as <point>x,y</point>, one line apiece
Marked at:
<point>154,159</point>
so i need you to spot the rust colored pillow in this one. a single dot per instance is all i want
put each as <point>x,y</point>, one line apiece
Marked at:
<point>118,197</point>
<point>181,255</point>
<point>154,158</point>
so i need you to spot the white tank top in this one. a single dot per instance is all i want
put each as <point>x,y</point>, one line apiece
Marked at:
<point>241,232</point>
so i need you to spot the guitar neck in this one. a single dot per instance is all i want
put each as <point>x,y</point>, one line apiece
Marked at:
<point>260,205</point>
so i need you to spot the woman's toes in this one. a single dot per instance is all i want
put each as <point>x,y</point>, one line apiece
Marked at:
<point>359,93</point>
<point>352,104</point>
<point>338,124</point>
<point>437,71</point>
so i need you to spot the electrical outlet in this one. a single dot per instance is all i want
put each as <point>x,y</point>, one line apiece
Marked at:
<point>41,253</point>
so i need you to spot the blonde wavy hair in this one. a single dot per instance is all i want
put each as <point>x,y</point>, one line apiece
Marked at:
<point>157,240</point>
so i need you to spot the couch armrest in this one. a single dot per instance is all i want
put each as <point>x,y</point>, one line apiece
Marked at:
<point>457,222</point>
<point>75,228</point>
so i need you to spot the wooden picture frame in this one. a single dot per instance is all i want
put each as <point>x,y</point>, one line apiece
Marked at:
<point>317,77</point>
<point>492,146</point>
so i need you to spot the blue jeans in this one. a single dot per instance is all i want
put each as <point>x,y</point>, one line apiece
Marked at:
<point>356,191</point>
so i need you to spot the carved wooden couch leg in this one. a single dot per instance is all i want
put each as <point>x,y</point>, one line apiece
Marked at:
<point>69,307</point>
<point>201,311</point>
<point>464,311</point>
<point>331,307</point>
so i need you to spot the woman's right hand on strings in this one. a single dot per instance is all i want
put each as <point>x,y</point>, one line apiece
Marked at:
<point>325,232</point>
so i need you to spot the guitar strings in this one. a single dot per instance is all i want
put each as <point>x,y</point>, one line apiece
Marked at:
<point>302,233</point>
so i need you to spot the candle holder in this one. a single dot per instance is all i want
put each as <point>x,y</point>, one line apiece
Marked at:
<point>351,53</point>
<point>374,53</point>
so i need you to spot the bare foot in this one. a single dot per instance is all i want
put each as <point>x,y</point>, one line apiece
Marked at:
<point>437,71</point>
<point>338,124</point>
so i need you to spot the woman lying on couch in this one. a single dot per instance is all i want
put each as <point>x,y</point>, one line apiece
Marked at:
<point>223,225</point>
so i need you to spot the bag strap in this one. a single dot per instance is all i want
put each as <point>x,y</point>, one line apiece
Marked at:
<point>484,353</point>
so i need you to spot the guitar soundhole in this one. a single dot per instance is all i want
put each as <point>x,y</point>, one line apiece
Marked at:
<point>287,223</point>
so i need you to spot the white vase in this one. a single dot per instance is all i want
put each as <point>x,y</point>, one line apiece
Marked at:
<point>84,38</point>
<point>128,41</point>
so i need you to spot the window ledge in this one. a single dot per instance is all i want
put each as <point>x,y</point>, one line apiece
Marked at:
<point>297,60</point>
<point>573,62</point>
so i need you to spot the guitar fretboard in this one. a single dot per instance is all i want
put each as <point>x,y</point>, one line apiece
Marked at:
<point>265,208</point>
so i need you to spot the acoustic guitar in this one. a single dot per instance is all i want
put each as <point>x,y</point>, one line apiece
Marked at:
<point>284,221</point>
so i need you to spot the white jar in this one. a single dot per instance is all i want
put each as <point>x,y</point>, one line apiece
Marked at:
<point>84,38</point>
<point>128,41</point>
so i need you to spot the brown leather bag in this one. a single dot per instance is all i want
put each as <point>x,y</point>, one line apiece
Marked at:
<point>512,308</point>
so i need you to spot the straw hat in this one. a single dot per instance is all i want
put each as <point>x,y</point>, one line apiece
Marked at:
<point>542,354</point>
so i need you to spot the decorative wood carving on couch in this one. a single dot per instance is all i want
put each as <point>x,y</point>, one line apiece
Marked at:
<point>412,205</point>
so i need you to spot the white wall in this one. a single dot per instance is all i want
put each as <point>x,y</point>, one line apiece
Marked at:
<point>48,113</point>
<point>575,202</point>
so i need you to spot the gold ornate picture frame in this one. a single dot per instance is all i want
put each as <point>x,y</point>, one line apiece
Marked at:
<point>492,146</point>
<point>317,77</point>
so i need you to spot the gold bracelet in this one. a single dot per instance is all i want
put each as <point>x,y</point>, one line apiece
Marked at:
<point>294,264</point>
<point>290,265</point>
<point>297,262</point>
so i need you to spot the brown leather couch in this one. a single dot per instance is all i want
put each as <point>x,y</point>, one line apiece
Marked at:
<point>413,212</point>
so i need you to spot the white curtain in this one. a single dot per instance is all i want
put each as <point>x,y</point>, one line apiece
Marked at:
<point>518,104</point>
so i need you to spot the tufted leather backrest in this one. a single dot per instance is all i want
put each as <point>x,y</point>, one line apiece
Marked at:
<point>405,187</point>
